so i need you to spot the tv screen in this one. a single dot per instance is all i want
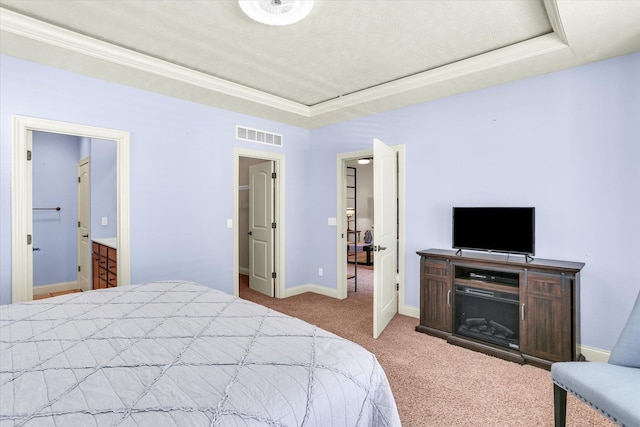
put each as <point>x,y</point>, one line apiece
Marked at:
<point>503,229</point>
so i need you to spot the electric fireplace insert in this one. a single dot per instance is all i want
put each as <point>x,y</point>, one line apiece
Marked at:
<point>488,315</point>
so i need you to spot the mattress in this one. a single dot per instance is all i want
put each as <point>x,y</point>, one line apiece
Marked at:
<point>180,354</point>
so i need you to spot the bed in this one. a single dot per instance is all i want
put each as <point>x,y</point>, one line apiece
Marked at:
<point>180,354</point>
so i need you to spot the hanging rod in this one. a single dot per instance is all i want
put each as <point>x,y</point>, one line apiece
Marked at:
<point>47,209</point>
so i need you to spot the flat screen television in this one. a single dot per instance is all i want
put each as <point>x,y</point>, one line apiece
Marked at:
<point>495,229</point>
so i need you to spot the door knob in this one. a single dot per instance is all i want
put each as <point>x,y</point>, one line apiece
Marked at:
<point>379,248</point>
<point>85,235</point>
<point>250,233</point>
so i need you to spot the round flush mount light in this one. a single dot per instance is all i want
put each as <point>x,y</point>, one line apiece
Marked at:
<point>276,12</point>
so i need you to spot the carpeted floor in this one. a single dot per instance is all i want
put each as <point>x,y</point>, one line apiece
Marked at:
<point>435,383</point>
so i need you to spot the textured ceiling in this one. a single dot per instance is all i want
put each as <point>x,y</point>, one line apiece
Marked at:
<point>357,56</point>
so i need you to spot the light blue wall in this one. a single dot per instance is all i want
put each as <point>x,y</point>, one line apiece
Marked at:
<point>181,171</point>
<point>567,143</point>
<point>104,196</point>
<point>55,164</point>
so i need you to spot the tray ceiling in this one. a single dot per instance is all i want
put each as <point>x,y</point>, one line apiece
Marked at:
<point>346,59</point>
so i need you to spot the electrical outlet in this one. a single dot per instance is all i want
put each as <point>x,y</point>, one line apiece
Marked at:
<point>105,220</point>
<point>320,271</point>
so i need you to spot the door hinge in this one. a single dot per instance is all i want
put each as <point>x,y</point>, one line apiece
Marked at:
<point>29,238</point>
<point>78,180</point>
<point>28,155</point>
<point>273,275</point>
<point>273,225</point>
<point>78,224</point>
<point>78,269</point>
<point>273,175</point>
<point>397,286</point>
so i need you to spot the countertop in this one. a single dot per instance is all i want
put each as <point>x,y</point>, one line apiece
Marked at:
<point>112,242</point>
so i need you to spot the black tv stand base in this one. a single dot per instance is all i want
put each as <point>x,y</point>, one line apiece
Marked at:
<point>527,257</point>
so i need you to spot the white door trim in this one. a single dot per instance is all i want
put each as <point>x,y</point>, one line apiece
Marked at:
<point>21,197</point>
<point>279,216</point>
<point>341,246</point>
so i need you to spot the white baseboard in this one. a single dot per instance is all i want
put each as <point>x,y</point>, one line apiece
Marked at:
<point>594,354</point>
<point>54,287</point>
<point>244,270</point>
<point>407,310</point>
<point>310,287</point>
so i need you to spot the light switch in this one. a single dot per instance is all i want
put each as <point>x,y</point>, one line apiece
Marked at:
<point>332,221</point>
<point>229,223</point>
<point>105,220</point>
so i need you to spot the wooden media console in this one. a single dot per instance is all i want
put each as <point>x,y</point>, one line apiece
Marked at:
<point>502,305</point>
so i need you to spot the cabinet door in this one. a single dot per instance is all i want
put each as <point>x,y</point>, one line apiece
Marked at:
<point>545,316</point>
<point>95,268</point>
<point>112,280</point>
<point>112,269</point>
<point>436,296</point>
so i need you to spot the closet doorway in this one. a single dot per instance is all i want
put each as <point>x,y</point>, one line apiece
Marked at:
<point>258,221</point>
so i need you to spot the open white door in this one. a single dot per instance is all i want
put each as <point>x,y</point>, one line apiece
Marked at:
<point>27,291</point>
<point>84,223</point>
<point>261,232</point>
<point>385,235</point>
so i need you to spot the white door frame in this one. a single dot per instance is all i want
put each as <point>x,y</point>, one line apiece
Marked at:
<point>341,215</point>
<point>279,217</point>
<point>21,197</point>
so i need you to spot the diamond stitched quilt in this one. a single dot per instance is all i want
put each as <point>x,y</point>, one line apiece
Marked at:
<point>180,354</point>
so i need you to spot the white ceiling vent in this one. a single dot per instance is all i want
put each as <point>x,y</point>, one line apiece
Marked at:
<point>256,135</point>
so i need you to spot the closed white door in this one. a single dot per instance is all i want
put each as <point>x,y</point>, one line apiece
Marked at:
<point>261,231</point>
<point>84,225</point>
<point>385,236</point>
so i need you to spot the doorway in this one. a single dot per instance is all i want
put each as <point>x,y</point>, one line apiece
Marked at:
<point>22,196</point>
<point>359,211</point>
<point>342,161</point>
<point>244,244</point>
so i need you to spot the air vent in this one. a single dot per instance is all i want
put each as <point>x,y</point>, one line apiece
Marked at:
<point>260,136</point>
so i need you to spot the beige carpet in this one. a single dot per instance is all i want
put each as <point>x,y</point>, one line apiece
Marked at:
<point>435,383</point>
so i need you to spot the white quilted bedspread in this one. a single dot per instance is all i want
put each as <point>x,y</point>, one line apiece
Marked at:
<point>180,354</point>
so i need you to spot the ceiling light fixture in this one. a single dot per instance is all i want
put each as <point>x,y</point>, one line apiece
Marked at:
<point>364,161</point>
<point>276,12</point>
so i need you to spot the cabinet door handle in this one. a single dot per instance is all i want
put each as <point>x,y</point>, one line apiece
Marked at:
<point>522,312</point>
<point>449,297</point>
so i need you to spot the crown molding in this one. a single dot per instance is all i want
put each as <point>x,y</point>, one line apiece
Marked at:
<point>34,29</point>
<point>551,7</point>
<point>52,35</point>
<point>537,46</point>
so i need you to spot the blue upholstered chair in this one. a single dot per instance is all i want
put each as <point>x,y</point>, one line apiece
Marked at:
<point>612,388</point>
